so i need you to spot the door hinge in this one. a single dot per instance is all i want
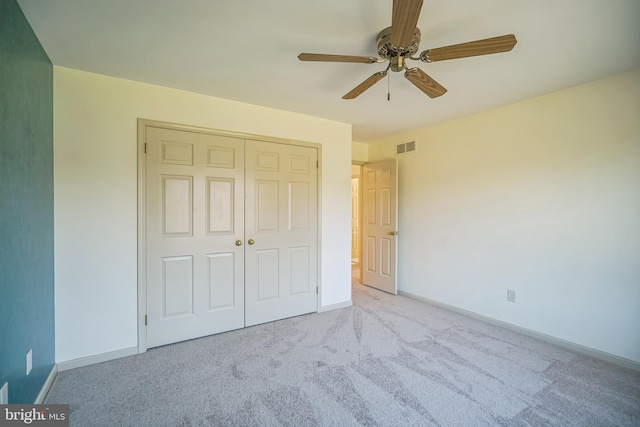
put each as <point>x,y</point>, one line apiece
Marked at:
<point>316,290</point>
<point>145,148</point>
<point>145,320</point>
<point>317,164</point>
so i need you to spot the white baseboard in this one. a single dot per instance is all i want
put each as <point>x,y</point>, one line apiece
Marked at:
<point>335,306</point>
<point>98,358</point>
<point>46,386</point>
<point>607,357</point>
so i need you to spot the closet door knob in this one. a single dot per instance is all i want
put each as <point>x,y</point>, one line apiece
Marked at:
<point>251,242</point>
<point>238,242</point>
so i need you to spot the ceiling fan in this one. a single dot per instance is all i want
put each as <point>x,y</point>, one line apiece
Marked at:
<point>400,41</point>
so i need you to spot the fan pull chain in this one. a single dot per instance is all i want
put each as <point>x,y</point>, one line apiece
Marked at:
<point>388,87</point>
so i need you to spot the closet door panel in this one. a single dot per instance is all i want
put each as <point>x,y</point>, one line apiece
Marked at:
<point>281,221</point>
<point>194,216</point>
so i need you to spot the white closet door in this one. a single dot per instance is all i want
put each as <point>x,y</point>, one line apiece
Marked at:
<point>281,231</point>
<point>194,208</point>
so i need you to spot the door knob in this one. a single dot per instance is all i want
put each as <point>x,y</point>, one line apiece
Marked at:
<point>238,242</point>
<point>251,242</point>
<point>392,233</point>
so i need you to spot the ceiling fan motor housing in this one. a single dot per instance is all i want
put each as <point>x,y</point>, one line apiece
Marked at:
<point>388,51</point>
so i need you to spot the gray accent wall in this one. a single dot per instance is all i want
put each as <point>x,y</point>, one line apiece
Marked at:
<point>26,207</point>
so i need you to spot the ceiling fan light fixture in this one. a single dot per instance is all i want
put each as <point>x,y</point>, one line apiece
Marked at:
<point>396,63</point>
<point>400,42</point>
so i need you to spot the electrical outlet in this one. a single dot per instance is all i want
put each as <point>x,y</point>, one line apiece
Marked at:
<point>511,295</point>
<point>29,361</point>
<point>4,394</point>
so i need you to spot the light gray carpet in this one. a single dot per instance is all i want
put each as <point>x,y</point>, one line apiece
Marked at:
<point>386,361</point>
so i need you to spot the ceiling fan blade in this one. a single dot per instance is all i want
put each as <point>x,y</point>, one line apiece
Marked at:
<point>355,92</point>
<point>404,21</point>
<point>336,58</point>
<point>422,81</point>
<point>475,48</point>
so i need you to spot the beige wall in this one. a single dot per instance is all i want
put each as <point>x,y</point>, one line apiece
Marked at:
<point>95,151</point>
<point>542,197</point>
<point>359,152</point>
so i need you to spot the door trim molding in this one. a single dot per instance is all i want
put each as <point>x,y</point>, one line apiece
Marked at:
<point>143,124</point>
<point>142,236</point>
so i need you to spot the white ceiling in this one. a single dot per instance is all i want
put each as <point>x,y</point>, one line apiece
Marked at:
<point>246,50</point>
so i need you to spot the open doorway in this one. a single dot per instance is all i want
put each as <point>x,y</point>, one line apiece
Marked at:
<point>356,224</point>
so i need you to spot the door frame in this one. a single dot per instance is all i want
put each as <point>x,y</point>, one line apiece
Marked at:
<point>356,180</point>
<point>359,164</point>
<point>143,124</point>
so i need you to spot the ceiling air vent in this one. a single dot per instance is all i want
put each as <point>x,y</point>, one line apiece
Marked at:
<point>406,147</point>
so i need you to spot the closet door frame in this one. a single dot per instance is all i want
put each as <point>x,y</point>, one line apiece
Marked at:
<point>143,124</point>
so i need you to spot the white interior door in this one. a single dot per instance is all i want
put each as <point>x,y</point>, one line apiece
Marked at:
<point>194,206</point>
<point>280,231</point>
<point>380,204</point>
